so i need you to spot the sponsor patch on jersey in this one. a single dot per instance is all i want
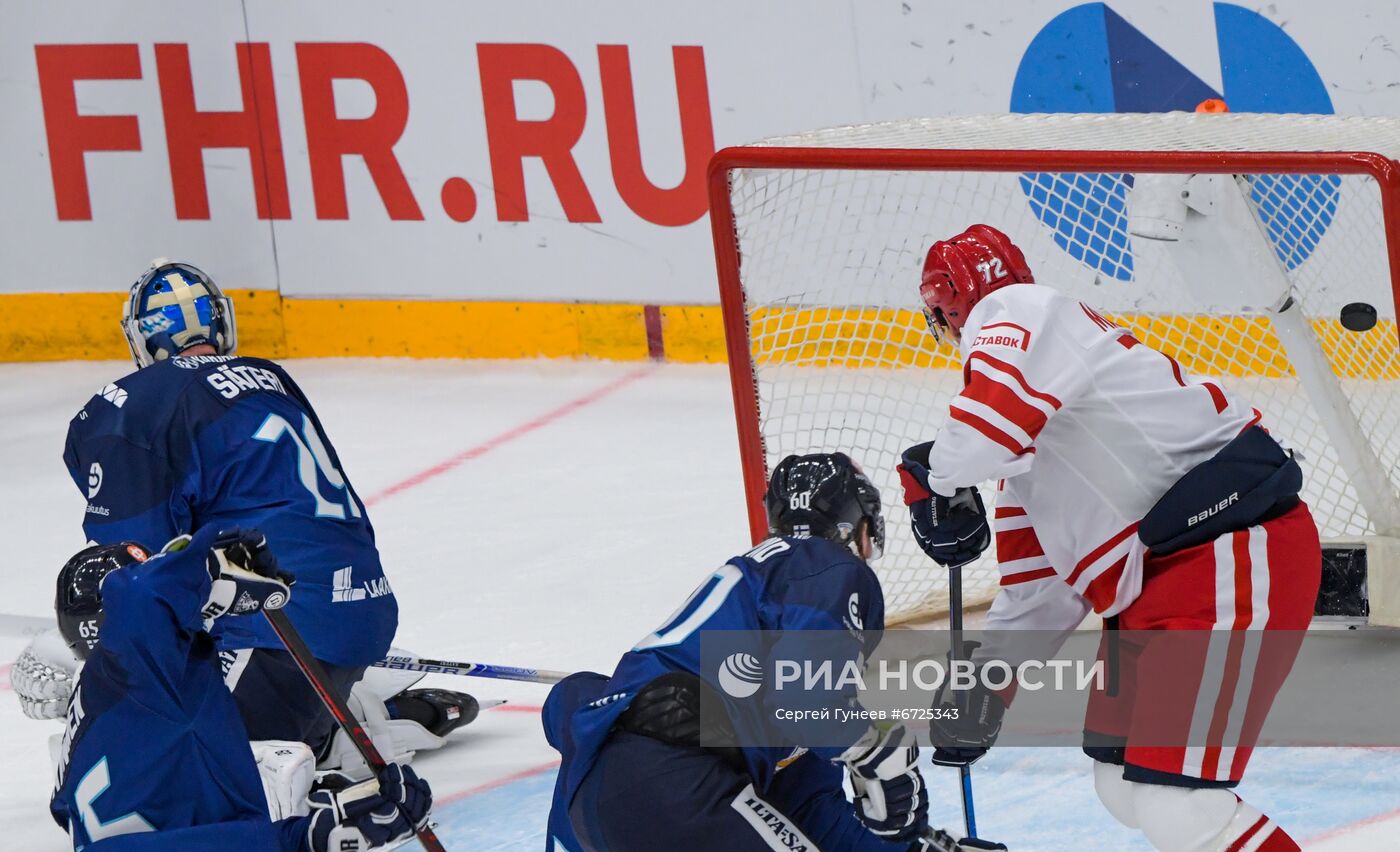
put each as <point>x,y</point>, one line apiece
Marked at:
<point>114,395</point>
<point>777,831</point>
<point>1006,335</point>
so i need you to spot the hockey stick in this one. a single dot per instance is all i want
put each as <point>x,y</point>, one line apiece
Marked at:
<point>335,705</point>
<point>955,629</point>
<point>418,664</point>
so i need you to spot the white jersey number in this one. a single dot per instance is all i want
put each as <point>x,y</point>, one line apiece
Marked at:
<point>710,596</point>
<point>93,785</point>
<point>311,457</point>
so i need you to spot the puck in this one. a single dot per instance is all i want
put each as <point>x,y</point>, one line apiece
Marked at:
<point>1358,316</point>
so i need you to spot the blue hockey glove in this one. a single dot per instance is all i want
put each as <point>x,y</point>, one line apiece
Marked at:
<point>896,809</point>
<point>371,814</point>
<point>245,574</point>
<point>951,530</point>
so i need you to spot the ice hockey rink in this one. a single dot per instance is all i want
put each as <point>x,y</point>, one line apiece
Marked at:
<point>548,514</point>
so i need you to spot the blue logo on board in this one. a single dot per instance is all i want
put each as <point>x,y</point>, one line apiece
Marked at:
<point>1090,59</point>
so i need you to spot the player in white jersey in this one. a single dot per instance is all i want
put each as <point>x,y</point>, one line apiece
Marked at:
<point>1132,489</point>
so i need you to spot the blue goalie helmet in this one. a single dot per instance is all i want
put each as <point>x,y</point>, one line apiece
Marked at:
<point>175,306</point>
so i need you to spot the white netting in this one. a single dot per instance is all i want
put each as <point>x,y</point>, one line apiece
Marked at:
<point>841,359</point>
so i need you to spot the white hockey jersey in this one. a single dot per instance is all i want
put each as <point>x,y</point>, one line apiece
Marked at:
<point>1086,428</point>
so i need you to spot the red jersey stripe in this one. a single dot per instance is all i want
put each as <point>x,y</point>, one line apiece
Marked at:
<point>989,431</point>
<point>1009,512</point>
<point>1007,403</point>
<point>1217,396</point>
<point>1018,544</point>
<point>1102,591</point>
<point>1099,551</point>
<point>1027,576</point>
<point>999,364</point>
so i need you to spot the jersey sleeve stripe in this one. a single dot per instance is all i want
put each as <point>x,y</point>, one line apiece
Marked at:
<point>1217,396</point>
<point>994,416</point>
<point>1026,576</point>
<point>1018,544</point>
<point>1098,553</point>
<point>1007,402</point>
<point>1010,370</point>
<point>1009,512</point>
<point>989,431</point>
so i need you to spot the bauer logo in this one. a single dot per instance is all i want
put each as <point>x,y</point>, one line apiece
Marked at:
<point>1090,58</point>
<point>740,675</point>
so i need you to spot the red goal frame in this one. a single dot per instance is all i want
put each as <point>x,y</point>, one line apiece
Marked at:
<point>743,382</point>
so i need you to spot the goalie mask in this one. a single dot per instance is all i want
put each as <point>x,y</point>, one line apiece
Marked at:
<point>78,602</point>
<point>173,307</point>
<point>960,271</point>
<point>825,495</point>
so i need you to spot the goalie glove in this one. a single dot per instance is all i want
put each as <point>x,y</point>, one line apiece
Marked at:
<point>951,530</point>
<point>373,814</point>
<point>43,676</point>
<point>245,574</point>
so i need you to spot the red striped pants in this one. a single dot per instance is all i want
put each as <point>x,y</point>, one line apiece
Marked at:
<point>1191,694</point>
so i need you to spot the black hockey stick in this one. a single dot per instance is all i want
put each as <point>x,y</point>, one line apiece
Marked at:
<point>955,629</point>
<point>316,676</point>
<point>452,667</point>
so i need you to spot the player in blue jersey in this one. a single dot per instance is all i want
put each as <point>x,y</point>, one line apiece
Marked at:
<point>197,437</point>
<point>154,756</point>
<point>643,768</point>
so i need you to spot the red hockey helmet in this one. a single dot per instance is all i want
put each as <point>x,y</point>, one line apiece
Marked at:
<point>960,271</point>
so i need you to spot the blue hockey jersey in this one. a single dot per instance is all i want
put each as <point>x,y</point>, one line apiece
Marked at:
<point>155,756</point>
<point>783,587</point>
<point>225,441</point>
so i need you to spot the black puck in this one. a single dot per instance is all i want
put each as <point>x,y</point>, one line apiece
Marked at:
<point>1358,316</point>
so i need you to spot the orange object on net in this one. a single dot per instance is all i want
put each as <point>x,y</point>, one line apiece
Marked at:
<point>1212,105</point>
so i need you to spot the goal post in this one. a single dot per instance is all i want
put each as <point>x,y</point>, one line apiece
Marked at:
<point>819,239</point>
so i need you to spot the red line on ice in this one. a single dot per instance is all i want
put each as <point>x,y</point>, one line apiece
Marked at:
<point>5,676</point>
<point>1343,830</point>
<point>499,782</point>
<point>509,435</point>
<point>519,708</point>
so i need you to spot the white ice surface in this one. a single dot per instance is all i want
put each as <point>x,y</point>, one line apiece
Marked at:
<point>557,547</point>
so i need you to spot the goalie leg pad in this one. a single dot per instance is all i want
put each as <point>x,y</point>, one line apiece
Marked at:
<point>396,739</point>
<point>43,676</point>
<point>287,770</point>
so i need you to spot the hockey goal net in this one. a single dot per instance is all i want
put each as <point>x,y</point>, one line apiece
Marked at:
<point>820,237</point>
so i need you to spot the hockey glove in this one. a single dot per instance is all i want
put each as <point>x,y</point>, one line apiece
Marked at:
<point>975,844</point>
<point>245,574</point>
<point>895,809</point>
<point>965,726</point>
<point>371,814</point>
<point>881,754</point>
<point>951,530</point>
